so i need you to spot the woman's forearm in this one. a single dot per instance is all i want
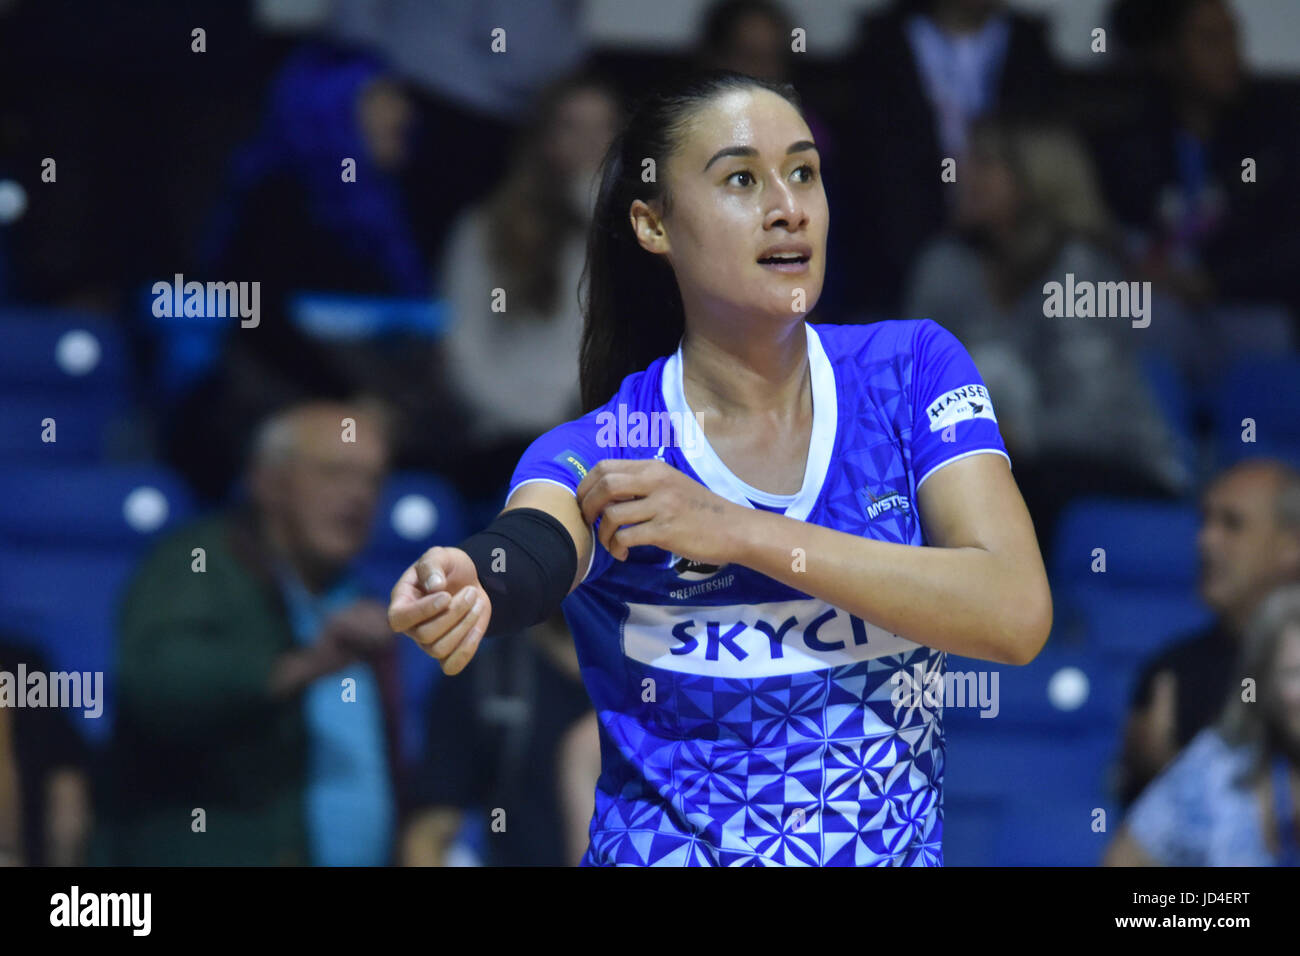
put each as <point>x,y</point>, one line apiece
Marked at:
<point>968,601</point>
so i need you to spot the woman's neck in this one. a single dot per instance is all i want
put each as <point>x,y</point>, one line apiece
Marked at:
<point>734,373</point>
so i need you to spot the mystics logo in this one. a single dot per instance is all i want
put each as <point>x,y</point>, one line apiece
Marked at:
<point>891,500</point>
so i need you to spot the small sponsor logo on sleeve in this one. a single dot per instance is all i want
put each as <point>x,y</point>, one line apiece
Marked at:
<point>959,405</point>
<point>570,460</point>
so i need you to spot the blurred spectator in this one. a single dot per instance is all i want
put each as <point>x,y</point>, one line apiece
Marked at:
<point>260,687</point>
<point>290,211</point>
<point>1229,799</point>
<point>514,362</point>
<point>52,761</point>
<point>1249,544</point>
<point>293,221</point>
<point>924,70</point>
<point>1068,392</point>
<point>1173,170</point>
<point>513,735</point>
<point>10,809</point>
<point>753,37</point>
<point>470,96</point>
<point>747,36</point>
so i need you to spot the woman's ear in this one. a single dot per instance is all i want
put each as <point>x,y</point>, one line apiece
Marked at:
<point>649,228</point>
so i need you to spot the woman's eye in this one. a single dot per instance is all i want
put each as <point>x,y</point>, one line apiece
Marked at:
<point>809,172</point>
<point>740,172</point>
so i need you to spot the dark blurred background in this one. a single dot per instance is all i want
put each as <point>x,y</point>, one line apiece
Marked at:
<point>379,170</point>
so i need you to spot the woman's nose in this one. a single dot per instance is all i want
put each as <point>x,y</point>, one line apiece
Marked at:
<point>786,206</point>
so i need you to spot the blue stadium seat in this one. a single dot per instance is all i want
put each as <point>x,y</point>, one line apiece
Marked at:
<point>120,507</point>
<point>416,511</point>
<point>185,347</point>
<point>1127,623</point>
<point>67,600</point>
<point>1058,831</point>
<point>971,825</point>
<point>1007,763</point>
<point>1064,691</point>
<point>56,350</point>
<point>1267,390</point>
<point>1147,543</point>
<point>83,427</point>
<point>72,536</point>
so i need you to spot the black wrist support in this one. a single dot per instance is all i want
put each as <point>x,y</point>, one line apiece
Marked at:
<point>526,561</point>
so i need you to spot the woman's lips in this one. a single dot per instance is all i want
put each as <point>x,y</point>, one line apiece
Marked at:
<point>790,267</point>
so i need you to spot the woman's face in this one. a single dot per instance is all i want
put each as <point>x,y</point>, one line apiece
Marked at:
<point>987,197</point>
<point>584,124</point>
<point>1208,59</point>
<point>757,46</point>
<point>385,115</point>
<point>746,179</point>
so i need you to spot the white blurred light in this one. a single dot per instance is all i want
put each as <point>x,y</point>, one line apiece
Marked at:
<point>145,509</point>
<point>77,352</point>
<point>13,201</point>
<point>414,517</point>
<point>1068,688</point>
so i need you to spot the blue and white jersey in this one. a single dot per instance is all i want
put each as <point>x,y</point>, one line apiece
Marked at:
<point>741,720</point>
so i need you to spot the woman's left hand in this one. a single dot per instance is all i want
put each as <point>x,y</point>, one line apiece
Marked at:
<point>649,502</point>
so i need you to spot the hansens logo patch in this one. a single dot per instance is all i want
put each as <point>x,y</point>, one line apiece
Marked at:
<point>959,405</point>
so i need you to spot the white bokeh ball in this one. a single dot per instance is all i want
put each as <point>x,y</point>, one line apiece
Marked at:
<point>13,201</point>
<point>77,352</point>
<point>414,517</point>
<point>1068,688</point>
<point>145,509</point>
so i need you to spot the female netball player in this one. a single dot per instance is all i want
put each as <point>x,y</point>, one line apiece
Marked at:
<point>769,532</point>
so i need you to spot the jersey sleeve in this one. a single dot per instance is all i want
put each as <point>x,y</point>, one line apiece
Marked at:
<point>952,412</point>
<point>563,456</point>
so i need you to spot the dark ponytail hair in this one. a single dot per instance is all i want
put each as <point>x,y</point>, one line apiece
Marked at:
<point>631,304</point>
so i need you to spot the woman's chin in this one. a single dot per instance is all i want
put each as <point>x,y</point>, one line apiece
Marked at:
<point>784,310</point>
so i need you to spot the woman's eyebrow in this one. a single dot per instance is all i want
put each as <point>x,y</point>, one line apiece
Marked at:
<point>795,147</point>
<point>731,151</point>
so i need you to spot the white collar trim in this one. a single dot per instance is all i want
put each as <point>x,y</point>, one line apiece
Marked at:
<point>718,477</point>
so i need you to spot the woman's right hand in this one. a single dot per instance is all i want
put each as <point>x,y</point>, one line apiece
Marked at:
<point>439,603</point>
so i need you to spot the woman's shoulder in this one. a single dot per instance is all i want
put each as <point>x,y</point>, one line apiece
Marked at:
<point>1208,747</point>
<point>1205,772</point>
<point>1197,811</point>
<point>466,240</point>
<point>1086,258</point>
<point>882,340</point>
<point>943,257</point>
